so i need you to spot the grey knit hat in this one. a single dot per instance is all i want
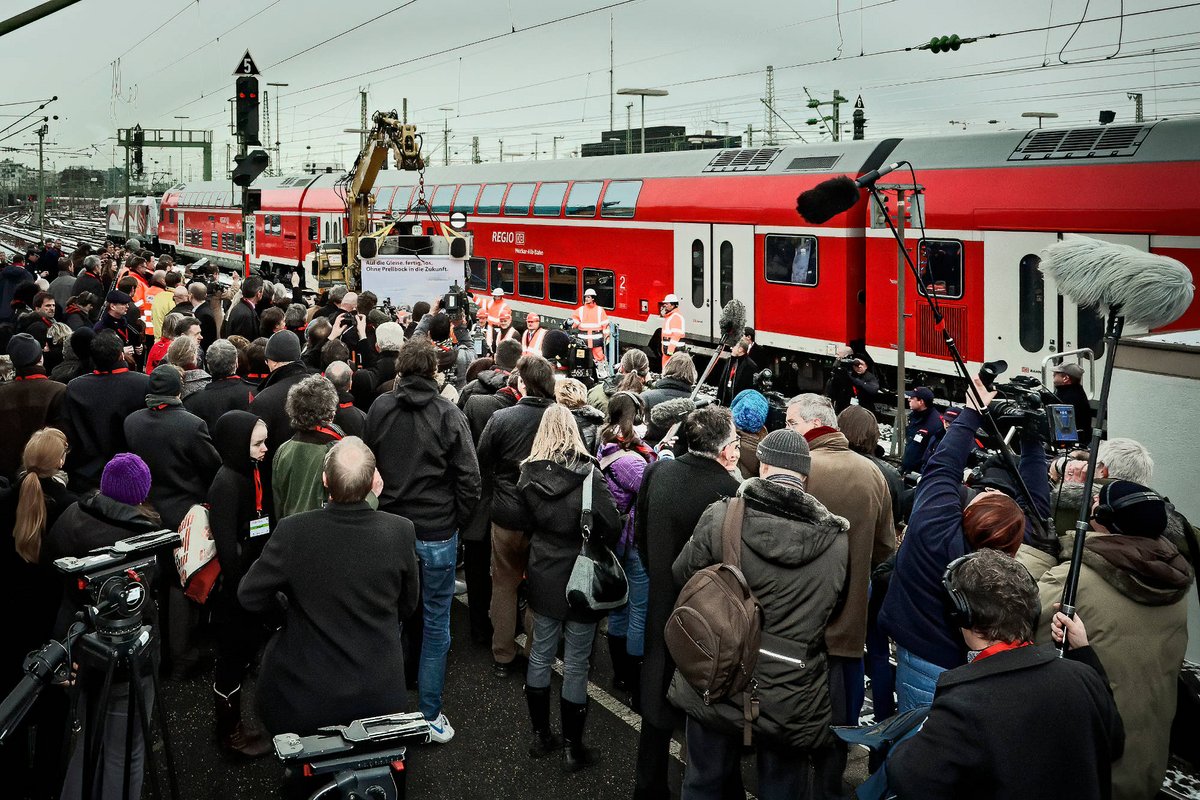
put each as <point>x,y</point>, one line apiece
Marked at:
<point>283,346</point>
<point>785,449</point>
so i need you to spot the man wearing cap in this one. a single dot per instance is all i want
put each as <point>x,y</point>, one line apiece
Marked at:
<point>923,419</point>
<point>96,408</point>
<point>28,403</point>
<point>1133,589</point>
<point>531,339</point>
<point>113,318</point>
<point>854,488</point>
<point>592,321</point>
<point>1067,386</point>
<point>794,556</point>
<point>496,309</point>
<point>673,327</point>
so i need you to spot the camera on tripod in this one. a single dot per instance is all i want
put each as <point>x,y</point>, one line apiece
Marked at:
<point>457,301</point>
<point>1024,403</point>
<point>364,758</point>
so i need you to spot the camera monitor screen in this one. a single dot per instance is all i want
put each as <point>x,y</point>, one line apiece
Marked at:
<point>1062,423</point>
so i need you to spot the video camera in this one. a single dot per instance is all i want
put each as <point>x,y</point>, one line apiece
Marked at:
<point>364,758</point>
<point>457,301</point>
<point>1024,403</point>
<point>115,580</point>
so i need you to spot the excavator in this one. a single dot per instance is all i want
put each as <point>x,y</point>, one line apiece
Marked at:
<point>338,262</point>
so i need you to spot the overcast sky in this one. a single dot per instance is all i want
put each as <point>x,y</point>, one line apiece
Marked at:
<point>156,59</point>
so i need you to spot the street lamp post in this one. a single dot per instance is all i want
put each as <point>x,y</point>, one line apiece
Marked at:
<point>644,93</point>
<point>278,157</point>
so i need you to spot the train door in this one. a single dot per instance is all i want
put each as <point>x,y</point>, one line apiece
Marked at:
<point>179,234</point>
<point>713,265</point>
<point>1026,320</point>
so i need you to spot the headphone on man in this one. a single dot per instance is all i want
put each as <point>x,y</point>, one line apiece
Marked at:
<point>958,609</point>
<point>1105,513</point>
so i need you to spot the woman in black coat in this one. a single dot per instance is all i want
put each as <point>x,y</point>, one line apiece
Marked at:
<point>236,517</point>
<point>551,486</point>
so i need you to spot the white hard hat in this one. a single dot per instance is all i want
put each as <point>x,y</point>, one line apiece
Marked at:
<point>671,298</point>
<point>497,292</point>
<point>589,293</point>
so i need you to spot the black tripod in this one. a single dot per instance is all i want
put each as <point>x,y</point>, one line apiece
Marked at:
<point>123,654</point>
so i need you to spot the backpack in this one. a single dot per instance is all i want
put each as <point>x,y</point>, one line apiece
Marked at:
<point>713,635</point>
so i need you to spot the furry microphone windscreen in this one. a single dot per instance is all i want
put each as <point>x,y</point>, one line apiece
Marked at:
<point>669,412</point>
<point>1149,289</point>
<point>827,199</point>
<point>733,319</point>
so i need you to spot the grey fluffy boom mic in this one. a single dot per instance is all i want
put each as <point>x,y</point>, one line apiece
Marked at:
<point>733,319</point>
<point>1147,289</point>
<point>675,411</point>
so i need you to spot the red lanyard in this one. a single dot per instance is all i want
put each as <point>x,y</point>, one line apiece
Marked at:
<point>345,405</point>
<point>110,372</point>
<point>328,432</point>
<point>999,647</point>
<point>257,491</point>
<point>30,378</point>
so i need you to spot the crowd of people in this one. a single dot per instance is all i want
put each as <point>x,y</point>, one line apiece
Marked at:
<point>348,464</point>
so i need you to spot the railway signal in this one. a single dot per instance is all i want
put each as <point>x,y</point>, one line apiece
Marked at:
<point>247,109</point>
<point>249,166</point>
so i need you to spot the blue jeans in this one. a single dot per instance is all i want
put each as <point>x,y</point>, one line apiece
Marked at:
<point>879,668</point>
<point>630,620</point>
<point>916,680</point>
<point>437,593</point>
<point>576,654</point>
<point>714,763</point>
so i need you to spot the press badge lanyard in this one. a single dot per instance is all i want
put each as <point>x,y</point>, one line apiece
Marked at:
<point>261,525</point>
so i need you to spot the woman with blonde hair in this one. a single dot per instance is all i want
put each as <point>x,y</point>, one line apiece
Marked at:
<point>573,394</point>
<point>551,485</point>
<point>43,491</point>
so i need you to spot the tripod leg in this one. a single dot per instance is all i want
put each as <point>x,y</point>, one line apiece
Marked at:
<point>94,737</point>
<point>71,732</point>
<point>138,699</point>
<point>130,711</point>
<point>160,714</point>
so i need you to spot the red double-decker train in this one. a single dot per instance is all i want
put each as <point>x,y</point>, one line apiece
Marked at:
<point>711,226</point>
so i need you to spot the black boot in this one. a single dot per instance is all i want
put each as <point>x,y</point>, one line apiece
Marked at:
<point>544,742</point>
<point>620,662</point>
<point>575,755</point>
<point>231,736</point>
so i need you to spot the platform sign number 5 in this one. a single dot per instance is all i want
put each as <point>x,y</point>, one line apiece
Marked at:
<point>246,66</point>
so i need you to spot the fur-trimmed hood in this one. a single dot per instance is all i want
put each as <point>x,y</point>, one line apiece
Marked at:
<point>782,543</point>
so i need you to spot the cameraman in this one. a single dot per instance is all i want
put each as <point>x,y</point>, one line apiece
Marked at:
<point>946,524</point>
<point>852,382</point>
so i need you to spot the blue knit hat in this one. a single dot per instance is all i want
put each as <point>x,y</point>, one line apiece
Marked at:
<point>749,410</point>
<point>126,479</point>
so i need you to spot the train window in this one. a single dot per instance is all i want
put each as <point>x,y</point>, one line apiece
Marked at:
<point>940,265</point>
<point>1031,308</point>
<point>213,240</point>
<point>239,242</point>
<point>602,280</point>
<point>726,273</point>
<point>442,198</point>
<point>583,198</point>
<point>489,200</point>
<point>171,215</point>
<point>478,277</point>
<point>465,201</point>
<point>517,202</point>
<point>620,198</point>
<point>791,259</point>
<point>530,279</point>
<point>549,199</point>
<point>1091,331</point>
<point>697,273</point>
<point>402,200</point>
<point>314,228</point>
<point>563,284</point>
<point>502,275</point>
<point>327,238</point>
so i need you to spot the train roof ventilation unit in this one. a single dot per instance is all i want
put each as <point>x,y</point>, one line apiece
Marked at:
<point>755,159</point>
<point>822,163</point>
<point>1107,141</point>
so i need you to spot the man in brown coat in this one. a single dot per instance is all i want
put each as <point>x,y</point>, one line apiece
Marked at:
<point>28,403</point>
<point>849,486</point>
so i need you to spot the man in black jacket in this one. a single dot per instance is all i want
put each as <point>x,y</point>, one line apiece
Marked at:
<point>506,441</point>
<point>991,720</point>
<point>1067,386</point>
<point>678,378</point>
<point>270,402</point>
<point>424,454</point>
<point>242,318</point>
<point>674,494</point>
<point>349,417</point>
<point>493,380</point>
<point>202,309</point>
<point>225,392</point>
<point>96,408</point>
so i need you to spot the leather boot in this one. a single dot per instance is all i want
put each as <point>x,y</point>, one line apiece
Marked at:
<point>575,755</point>
<point>231,736</point>
<point>620,662</point>
<point>544,741</point>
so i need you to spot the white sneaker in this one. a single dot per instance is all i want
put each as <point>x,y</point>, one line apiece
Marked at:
<point>440,730</point>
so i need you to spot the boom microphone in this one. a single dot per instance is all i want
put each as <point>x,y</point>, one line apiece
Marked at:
<point>829,198</point>
<point>1147,289</point>
<point>675,411</point>
<point>733,320</point>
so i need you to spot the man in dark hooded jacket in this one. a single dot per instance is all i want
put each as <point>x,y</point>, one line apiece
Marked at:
<point>270,402</point>
<point>28,403</point>
<point>493,380</point>
<point>225,392</point>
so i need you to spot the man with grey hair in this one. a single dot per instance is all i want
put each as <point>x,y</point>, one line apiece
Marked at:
<point>850,486</point>
<point>88,279</point>
<point>226,391</point>
<point>296,471</point>
<point>349,418</point>
<point>63,286</point>
<point>295,318</point>
<point>202,309</point>
<point>333,299</point>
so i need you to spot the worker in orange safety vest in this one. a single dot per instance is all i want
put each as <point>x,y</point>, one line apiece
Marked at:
<point>592,321</point>
<point>531,339</point>
<point>495,310</point>
<point>142,298</point>
<point>672,331</point>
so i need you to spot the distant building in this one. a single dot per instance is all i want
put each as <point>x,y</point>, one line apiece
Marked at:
<point>12,175</point>
<point>659,139</point>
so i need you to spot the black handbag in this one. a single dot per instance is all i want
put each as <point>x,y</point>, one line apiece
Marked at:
<point>597,581</point>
